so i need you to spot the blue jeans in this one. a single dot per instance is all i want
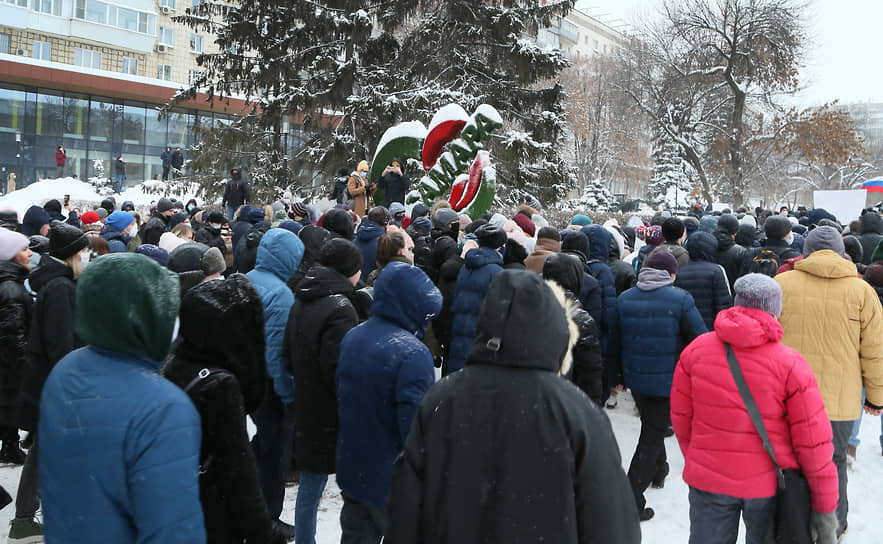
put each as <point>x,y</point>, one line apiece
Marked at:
<point>231,210</point>
<point>272,446</point>
<point>853,438</point>
<point>714,518</point>
<point>309,493</point>
<point>120,179</point>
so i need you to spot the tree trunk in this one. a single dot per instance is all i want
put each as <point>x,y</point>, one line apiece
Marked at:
<point>736,175</point>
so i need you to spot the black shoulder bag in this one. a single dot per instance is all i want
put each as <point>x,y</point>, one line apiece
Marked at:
<point>792,496</point>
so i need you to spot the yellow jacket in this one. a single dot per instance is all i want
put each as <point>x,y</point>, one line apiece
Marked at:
<point>834,319</point>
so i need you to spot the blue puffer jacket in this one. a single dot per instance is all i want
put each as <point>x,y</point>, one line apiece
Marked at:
<point>382,374</point>
<point>480,267</point>
<point>366,240</point>
<point>656,322</point>
<point>599,248</point>
<point>116,241</point>
<point>704,279</point>
<point>279,255</point>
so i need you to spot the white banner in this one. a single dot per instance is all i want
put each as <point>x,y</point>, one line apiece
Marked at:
<point>845,205</point>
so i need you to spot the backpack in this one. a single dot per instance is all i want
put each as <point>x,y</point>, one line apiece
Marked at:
<point>765,261</point>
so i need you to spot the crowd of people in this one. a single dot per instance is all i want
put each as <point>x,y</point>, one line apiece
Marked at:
<point>327,330</point>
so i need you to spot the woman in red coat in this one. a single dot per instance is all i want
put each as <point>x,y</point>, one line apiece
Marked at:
<point>60,161</point>
<point>726,467</point>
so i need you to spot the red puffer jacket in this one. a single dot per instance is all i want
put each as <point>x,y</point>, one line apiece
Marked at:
<point>723,453</point>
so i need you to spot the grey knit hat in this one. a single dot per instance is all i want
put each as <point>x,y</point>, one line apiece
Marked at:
<point>759,291</point>
<point>821,238</point>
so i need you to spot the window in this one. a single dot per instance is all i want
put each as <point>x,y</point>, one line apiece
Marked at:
<point>195,75</point>
<point>146,23</point>
<point>587,39</point>
<point>87,58</point>
<point>166,36</point>
<point>595,44</point>
<point>167,4</point>
<point>48,6</point>
<point>130,66</point>
<point>164,71</point>
<point>195,43</point>
<point>96,12</point>
<point>127,18</point>
<point>22,3</point>
<point>80,9</point>
<point>42,50</point>
<point>4,43</point>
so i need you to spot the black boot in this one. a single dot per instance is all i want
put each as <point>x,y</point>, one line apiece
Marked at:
<point>658,481</point>
<point>11,453</point>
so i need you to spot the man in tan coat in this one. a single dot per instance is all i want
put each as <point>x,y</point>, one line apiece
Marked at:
<point>548,242</point>
<point>358,188</point>
<point>834,319</point>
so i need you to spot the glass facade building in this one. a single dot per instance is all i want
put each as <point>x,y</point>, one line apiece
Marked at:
<point>35,121</point>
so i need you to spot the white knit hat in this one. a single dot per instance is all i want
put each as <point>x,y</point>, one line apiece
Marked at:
<point>11,243</point>
<point>759,291</point>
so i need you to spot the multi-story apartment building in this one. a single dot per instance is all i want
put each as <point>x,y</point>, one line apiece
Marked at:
<point>89,75</point>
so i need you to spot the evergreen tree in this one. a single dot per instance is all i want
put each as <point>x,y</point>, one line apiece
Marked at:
<point>670,181</point>
<point>352,68</point>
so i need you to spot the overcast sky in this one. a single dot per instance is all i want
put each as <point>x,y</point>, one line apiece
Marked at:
<point>845,54</point>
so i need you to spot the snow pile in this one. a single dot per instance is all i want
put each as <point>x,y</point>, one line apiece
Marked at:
<point>85,195</point>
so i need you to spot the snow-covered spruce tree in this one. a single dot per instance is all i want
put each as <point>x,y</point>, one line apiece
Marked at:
<point>596,196</point>
<point>670,184</point>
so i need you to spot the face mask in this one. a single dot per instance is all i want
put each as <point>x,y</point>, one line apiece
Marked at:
<point>216,226</point>
<point>363,174</point>
<point>190,208</point>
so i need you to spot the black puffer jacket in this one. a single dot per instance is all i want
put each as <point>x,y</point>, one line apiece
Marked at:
<point>872,233</point>
<point>730,256</point>
<point>322,314</point>
<point>153,229</point>
<point>623,274</point>
<point>703,278</point>
<point>245,254</point>
<point>506,450</point>
<point>211,237</point>
<point>222,331</point>
<point>52,333</point>
<point>313,238</point>
<point>444,247</point>
<point>419,230</point>
<point>590,293</point>
<point>587,372</point>
<point>16,307</point>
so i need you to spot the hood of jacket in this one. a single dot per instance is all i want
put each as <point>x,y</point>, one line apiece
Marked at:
<point>481,256</point>
<point>321,281</point>
<point>222,324</point>
<point>565,270</point>
<point>702,246</point>
<point>746,236</point>
<point>369,230</point>
<point>49,269</point>
<point>724,241</point>
<point>826,264</point>
<point>747,327</point>
<point>421,226</point>
<point>872,222</point>
<point>313,238</point>
<point>599,242</point>
<point>33,220</point>
<point>137,316</point>
<point>279,253</point>
<point>650,279</point>
<point>874,274</point>
<point>404,295</point>
<point>508,331</point>
<point>10,271</point>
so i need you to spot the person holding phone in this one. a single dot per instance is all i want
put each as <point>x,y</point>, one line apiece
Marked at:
<point>60,161</point>
<point>394,183</point>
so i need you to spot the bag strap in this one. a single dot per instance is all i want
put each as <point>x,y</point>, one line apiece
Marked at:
<point>753,411</point>
<point>201,375</point>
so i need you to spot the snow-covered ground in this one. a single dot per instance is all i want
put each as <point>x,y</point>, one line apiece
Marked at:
<point>671,523</point>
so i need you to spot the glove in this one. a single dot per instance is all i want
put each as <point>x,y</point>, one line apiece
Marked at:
<point>823,527</point>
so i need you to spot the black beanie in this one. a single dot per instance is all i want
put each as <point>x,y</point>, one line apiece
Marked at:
<point>341,255</point>
<point>339,222</point>
<point>65,240</point>
<point>491,236</point>
<point>672,229</point>
<point>515,253</point>
<point>578,243</point>
<point>52,206</point>
<point>777,227</point>
<point>728,223</point>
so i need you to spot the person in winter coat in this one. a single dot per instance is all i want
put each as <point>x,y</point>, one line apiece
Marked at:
<point>166,158</point>
<point>599,249</point>
<point>52,336</point>
<point>120,169</point>
<point>236,193</point>
<point>656,322</point>
<point>357,188</point>
<point>382,374</point>
<point>730,255</point>
<point>747,236</point>
<point>777,230</point>
<point>339,223</point>
<point>393,246</point>
<point>218,360</point>
<point>871,234</point>
<point>158,222</point>
<point>322,314</point>
<point>588,370</point>
<point>835,320</point>
<point>119,447</point>
<point>210,233</point>
<point>314,239</point>
<point>35,221</point>
<point>60,161</point>
<point>420,231</point>
<point>118,230</point>
<point>590,296</point>
<point>393,183</point>
<point>372,228</point>
<point>279,255</point>
<point>727,473</point>
<point>548,242</point>
<point>177,162</point>
<point>468,473</point>
<point>444,236</point>
<point>16,308</point>
<point>480,266</point>
<point>514,255</point>
<point>339,192</point>
<point>674,232</point>
<point>444,268</point>
<point>623,274</point>
<point>705,280</point>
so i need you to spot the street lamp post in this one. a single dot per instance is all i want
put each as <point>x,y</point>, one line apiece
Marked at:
<point>17,160</point>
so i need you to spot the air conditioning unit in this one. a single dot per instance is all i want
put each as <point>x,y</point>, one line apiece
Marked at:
<point>20,52</point>
<point>160,48</point>
<point>166,10</point>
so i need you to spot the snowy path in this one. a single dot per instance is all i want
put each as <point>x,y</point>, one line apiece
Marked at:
<point>671,523</point>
